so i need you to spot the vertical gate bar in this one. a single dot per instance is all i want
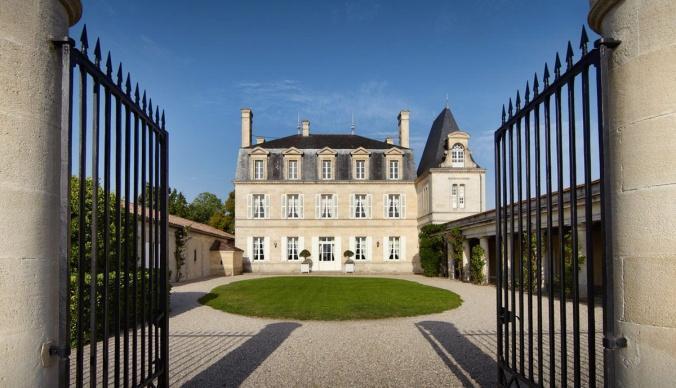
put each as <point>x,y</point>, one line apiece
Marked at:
<point>538,227</point>
<point>144,148</point>
<point>529,251</point>
<point>94,235</point>
<point>164,210</point>
<point>608,283</point>
<point>498,254</point>
<point>511,252</point>
<point>135,246</point>
<point>504,252</point>
<point>157,240</point>
<point>550,256</point>
<point>66,210</point>
<point>127,234</point>
<point>79,367</point>
<point>149,203</point>
<point>586,128</point>
<point>520,235</point>
<point>573,217</point>
<point>106,229</point>
<point>561,226</point>
<point>118,225</point>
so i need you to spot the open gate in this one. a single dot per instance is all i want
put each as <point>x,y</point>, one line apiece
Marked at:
<point>551,212</point>
<point>117,299</point>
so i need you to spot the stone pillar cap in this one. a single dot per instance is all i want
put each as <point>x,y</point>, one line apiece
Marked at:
<point>73,9</point>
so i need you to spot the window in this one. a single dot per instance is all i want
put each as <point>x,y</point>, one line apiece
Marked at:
<point>259,205</point>
<point>292,169</point>
<point>326,206</point>
<point>258,169</point>
<point>394,169</point>
<point>326,247</point>
<point>361,206</point>
<point>292,206</point>
<point>394,206</point>
<point>394,246</point>
<point>458,156</point>
<point>360,169</point>
<point>458,196</point>
<point>360,248</point>
<point>292,248</point>
<point>327,172</point>
<point>258,248</point>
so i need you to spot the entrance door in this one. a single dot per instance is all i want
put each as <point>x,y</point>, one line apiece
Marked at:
<point>328,259</point>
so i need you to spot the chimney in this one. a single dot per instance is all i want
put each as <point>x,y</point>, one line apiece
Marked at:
<point>403,128</point>
<point>388,140</point>
<point>305,125</point>
<point>247,120</point>
<point>260,140</point>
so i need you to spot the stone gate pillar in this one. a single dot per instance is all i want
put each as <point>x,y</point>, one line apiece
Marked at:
<point>31,227</point>
<point>641,131</point>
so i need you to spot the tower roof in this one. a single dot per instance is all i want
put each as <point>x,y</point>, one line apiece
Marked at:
<point>433,154</point>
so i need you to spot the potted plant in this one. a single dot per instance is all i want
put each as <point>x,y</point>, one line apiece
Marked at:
<point>349,263</point>
<point>306,264</point>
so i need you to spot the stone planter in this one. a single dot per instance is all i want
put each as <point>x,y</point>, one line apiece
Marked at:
<point>349,268</point>
<point>305,268</point>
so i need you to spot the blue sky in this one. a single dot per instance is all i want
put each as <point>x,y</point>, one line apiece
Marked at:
<point>204,60</point>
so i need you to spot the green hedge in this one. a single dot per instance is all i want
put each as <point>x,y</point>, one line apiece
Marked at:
<point>431,250</point>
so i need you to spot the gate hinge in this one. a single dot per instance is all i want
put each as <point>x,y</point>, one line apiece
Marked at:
<point>613,343</point>
<point>59,351</point>
<point>506,315</point>
<point>608,42</point>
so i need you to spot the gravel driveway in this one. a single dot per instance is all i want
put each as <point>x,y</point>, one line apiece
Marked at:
<point>210,348</point>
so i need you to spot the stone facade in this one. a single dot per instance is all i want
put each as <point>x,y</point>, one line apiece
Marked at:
<point>326,194</point>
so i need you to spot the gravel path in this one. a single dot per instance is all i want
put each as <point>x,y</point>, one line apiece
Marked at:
<point>210,348</point>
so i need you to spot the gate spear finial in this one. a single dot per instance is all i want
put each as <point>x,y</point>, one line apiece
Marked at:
<point>127,85</point>
<point>584,39</point>
<point>84,41</point>
<point>569,56</point>
<point>545,76</point>
<point>97,53</point>
<point>109,66</point>
<point>536,84</point>
<point>119,75</point>
<point>527,93</point>
<point>557,66</point>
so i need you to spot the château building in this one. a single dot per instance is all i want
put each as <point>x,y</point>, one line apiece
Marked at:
<point>326,193</point>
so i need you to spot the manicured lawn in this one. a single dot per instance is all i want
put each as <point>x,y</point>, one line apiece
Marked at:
<point>329,298</point>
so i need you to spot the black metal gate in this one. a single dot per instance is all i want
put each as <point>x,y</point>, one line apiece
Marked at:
<point>117,295</point>
<point>548,334</point>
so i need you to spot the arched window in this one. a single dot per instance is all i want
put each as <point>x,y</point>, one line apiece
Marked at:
<point>458,156</point>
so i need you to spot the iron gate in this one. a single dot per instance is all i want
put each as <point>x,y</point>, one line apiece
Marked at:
<point>117,300</point>
<point>539,233</point>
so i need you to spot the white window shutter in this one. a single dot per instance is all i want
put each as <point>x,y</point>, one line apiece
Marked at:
<point>403,205</point>
<point>402,248</point>
<point>369,247</point>
<point>249,206</point>
<point>249,248</point>
<point>266,248</point>
<point>283,244</point>
<point>369,200</point>
<point>301,243</point>
<point>386,251</point>
<point>301,202</point>
<point>384,205</point>
<point>315,250</point>
<point>318,198</point>
<point>267,206</point>
<point>352,245</point>
<point>284,204</point>
<point>339,250</point>
<point>351,206</point>
<point>335,206</point>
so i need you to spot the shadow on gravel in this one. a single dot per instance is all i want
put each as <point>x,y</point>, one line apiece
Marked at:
<point>464,358</point>
<point>180,302</point>
<point>237,365</point>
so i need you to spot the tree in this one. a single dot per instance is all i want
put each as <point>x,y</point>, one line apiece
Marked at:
<point>230,213</point>
<point>476,265</point>
<point>431,249</point>
<point>178,205</point>
<point>204,206</point>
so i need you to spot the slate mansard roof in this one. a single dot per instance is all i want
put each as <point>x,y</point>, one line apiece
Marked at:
<point>312,144</point>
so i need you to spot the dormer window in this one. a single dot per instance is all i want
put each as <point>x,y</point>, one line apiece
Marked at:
<point>458,156</point>
<point>327,169</point>
<point>292,164</point>
<point>360,164</point>
<point>360,169</point>
<point>258,169</point>
<point>394,169</point>
<point>293,169</point>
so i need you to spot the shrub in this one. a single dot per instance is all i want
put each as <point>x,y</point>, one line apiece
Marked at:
<point>431,250</point>
<point>476,265</point>
<point>457,239</point>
